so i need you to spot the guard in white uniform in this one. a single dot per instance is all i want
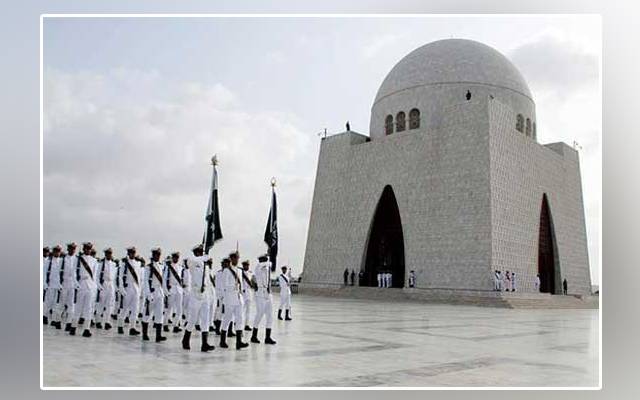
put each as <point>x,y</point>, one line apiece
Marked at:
<point>51,308</point>
<point>174,287</point>
<point>131,284</point>
<point>507,282</point>
<point>211,299</point>
<point>412,279</point>
<point>196,278</point>
<point>107,274</point>
<point>217,314</point>
<point>234,259</point>
<point>263,300</point>
<point>379,280</point>
<point>285,295</point>
<point>248,285</point>
<point>496,280</point>
<point>85,302</point>
<point>153,288</point>
<point>69,284</point>
<point>231,286</point>
<point>536,283</point>
<point>45,257</point>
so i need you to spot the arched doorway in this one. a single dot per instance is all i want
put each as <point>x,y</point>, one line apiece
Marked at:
<point>547,266</point>
<point>385,245</point>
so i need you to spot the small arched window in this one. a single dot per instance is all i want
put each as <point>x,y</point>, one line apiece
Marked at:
<point>520,123</point>
<point>401,123</point>
<point>414,119</point>
<point>388,125</point>
<point>528,132</point>
<point>535,133</point>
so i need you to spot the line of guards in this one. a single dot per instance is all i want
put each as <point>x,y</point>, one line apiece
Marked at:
<point>176,294</point>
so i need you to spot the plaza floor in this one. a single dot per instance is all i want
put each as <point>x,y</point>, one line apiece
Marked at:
<point>351,343</point>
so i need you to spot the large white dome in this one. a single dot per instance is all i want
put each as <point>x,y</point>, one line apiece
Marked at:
<point>440,73</point>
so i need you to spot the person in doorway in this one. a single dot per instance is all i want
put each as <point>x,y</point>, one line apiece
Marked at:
<point>536,283</point>
<point>564,286</point>
<point>360,278</point>
<point>353,277</point>
<point>412,279</point>
<point>346,276</point>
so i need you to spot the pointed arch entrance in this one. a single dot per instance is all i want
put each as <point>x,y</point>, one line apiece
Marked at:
<point>547,251</point>
<point>385,244</point>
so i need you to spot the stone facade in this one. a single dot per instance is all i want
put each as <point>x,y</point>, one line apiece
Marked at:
<point>468,185</point>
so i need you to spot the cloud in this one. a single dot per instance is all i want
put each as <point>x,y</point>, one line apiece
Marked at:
<point>556,63</point>
<point>126,161</point>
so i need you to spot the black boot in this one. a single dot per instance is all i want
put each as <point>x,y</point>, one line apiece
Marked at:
<point>45,320</point>
<point>126,320</point>
<point>230,330</point>
<point>99,325</point>
<point>159,337</point>
<point>80,321</point>
<point>72,331</point>
<point>186,340</point>
<point>133,332</point>
<point>198,327</point>
<point>67,327</point>
<point>176,329</point>
<point>166,328</point>
<point>107,326</point>
<point>239,343</point>
<point>287,316</point>
<point>223,339</point>
<point>254,336</point>
<point>211,329</point>
<point>145,331</point>
<point>280,314</point>
<point>247,328</point>
<point>120,330</point>
<point>267,337</point>
<point>58,325</point>
<point>93,323</point>
<point>216,327</point>
<point>205,345</point>
<point>86,333</point>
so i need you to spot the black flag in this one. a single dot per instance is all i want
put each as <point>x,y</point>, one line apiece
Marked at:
<point>271,232</point>
<point>213,231</point>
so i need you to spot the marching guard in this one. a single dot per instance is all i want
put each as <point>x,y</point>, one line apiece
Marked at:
<point>105,299</point>
<point>85,277</point>
<point>196,278</point>
<point>173,278</point>
<point>285,295</point>
<point>52,288</point>
<point>247,288</point>
<point>131,276</point>
<point>154,297</point>
<point>264,307</point>
<point>231,286</point>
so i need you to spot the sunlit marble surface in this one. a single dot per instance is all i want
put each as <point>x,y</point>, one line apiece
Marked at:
<point>344,342</point>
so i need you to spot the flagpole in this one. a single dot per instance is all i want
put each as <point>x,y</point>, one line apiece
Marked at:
<point>206,238</point>
<point>273,261</point>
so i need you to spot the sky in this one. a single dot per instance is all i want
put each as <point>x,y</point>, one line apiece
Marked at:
<point>134,108</point>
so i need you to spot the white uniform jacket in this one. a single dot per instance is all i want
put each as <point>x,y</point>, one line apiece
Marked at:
<point>262,279</point>
<point>197,275</point>
<point>153,285</point>
<point>131,275</point>
<point>86,272</point>
<point>68,272</point>
<point>173,277</point>
<point>231,287</point>
<point>285,285</point>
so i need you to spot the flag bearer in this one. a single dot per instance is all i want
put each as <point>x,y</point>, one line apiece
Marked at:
<point>263,300</point>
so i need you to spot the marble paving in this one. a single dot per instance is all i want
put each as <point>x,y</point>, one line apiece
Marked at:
<point>351,343</point>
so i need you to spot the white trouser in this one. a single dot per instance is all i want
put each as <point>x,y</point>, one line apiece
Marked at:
<point>129,307</point>
<point>68,304</point>
<point>186,296</point>
<point>105,303</point>
<point>174,308</point>
<point>496,284</point>
<point>232,313</point>
<point>84,307</point>
<point>217,314</point>
<point>247,310</point>
<point>153,310</point>
<point>212,308</point>
<point>198,313</point>
<point>51,308</point>
<point>285,301</point>
<point>264,307</point>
